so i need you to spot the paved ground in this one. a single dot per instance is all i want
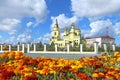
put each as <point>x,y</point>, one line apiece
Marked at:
<point>58,55</point>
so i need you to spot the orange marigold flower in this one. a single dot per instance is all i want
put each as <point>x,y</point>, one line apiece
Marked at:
<point>101,75</point>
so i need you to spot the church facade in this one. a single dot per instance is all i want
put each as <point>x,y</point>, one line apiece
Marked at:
<point>71,37</point>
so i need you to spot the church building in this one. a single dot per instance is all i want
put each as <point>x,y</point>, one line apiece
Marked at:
<point>71,37</point>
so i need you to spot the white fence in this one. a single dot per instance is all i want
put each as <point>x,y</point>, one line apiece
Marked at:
<point>56,49</point>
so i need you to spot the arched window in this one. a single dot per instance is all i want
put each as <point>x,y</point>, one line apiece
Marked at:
<point>55,33</point>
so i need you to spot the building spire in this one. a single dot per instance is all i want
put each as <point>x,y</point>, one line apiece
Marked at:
<point>56,23</point>
<point>106,31</point>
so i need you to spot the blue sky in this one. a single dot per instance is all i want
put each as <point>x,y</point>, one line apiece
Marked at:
<point>32,20</point>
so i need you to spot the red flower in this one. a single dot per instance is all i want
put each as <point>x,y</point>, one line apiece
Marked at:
<point>82,76</point>
<point>4,76</point>
<point>32,77</point>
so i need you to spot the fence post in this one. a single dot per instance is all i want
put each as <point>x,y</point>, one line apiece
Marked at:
<point>105,47</point>
<point>9,47</point>
<point>55,47</point>
<point>34,47</point>
<point>68,48</point>
<point>96,47</point>
<point>18,47</point>
<point>44,47</point>
<point>72,44</point>
<point>28,48</point>
<point>113,46</point>
<point>81,48</point>
<point>23,47</point>
<point>1,47</point>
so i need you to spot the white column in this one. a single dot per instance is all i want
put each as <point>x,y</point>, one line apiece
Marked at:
<point>68,48</point>
<point>113,46</point>
<point>34,47</point>
<point>9,47</point>
<point>105,47</point>
<point>23,48</point>
<point>1,47</point>
<point>55,47</point>
<point>81,48</point>
<point>44,48</point>
<point>96,47</point>
<point>72,44</point>
<point>28,48</point>
<point>18,47</point>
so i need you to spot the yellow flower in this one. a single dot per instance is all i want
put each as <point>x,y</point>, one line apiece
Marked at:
<point>118,59</point>
<point>95,75</point>
<point>27,74</point>
<point>53,72</point>
<point>116,53</point>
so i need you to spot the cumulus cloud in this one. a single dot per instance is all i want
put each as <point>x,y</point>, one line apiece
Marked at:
<point>63,21</point>
<point>29,24</point>
<point>95,8</point>
<point>11,40</point>
<point>98,28</point>
<point>23,38</point>
<point>117,28</point>
<point>9,25</point>
<point>11,12</point>
<point>44,39</point>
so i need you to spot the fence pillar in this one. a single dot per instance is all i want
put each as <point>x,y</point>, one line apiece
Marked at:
<point>113,46</point>
<point>9,47</point>
<point>68,48</point>
<point>1,47</point>
<point>81,48</point>
<point>72,44</point>
<point>18,47</point>
<point>34,47</point>
<point>55,47</point>
<point>28,48</point>
<point>44,48</point>
<point>105,47</point>
<point>23,48</point>
<point>96,47</point>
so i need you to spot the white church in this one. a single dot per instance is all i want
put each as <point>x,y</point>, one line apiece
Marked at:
<point>101,40</point>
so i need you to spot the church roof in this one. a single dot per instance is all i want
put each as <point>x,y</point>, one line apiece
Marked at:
<point>107,37</point>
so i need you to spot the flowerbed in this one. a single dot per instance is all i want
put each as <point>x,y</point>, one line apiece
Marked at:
<point>16,66</point>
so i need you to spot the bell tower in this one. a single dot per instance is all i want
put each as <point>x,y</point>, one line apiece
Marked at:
<point>78,32</point>
<point>56,32</point>
<point>72,28</point>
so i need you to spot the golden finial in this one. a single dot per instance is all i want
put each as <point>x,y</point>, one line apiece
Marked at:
<point>72,24</point>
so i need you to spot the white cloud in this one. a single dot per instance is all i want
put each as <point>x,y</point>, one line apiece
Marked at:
<point>95,8</point>
<point>23,38</point>
<point>63,21</point>
<point>85,33</point>
<point>117,28</point>
<point>24,8</point>
<point>98,28</point>
<point>29,24</point>
<point>44,39</point>
<point>9,25</point>
<point>11,12</point>
<point>11,40</point>
<point>1,39</point>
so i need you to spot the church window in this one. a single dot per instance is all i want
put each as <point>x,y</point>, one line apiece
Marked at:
<point>55,33</point>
